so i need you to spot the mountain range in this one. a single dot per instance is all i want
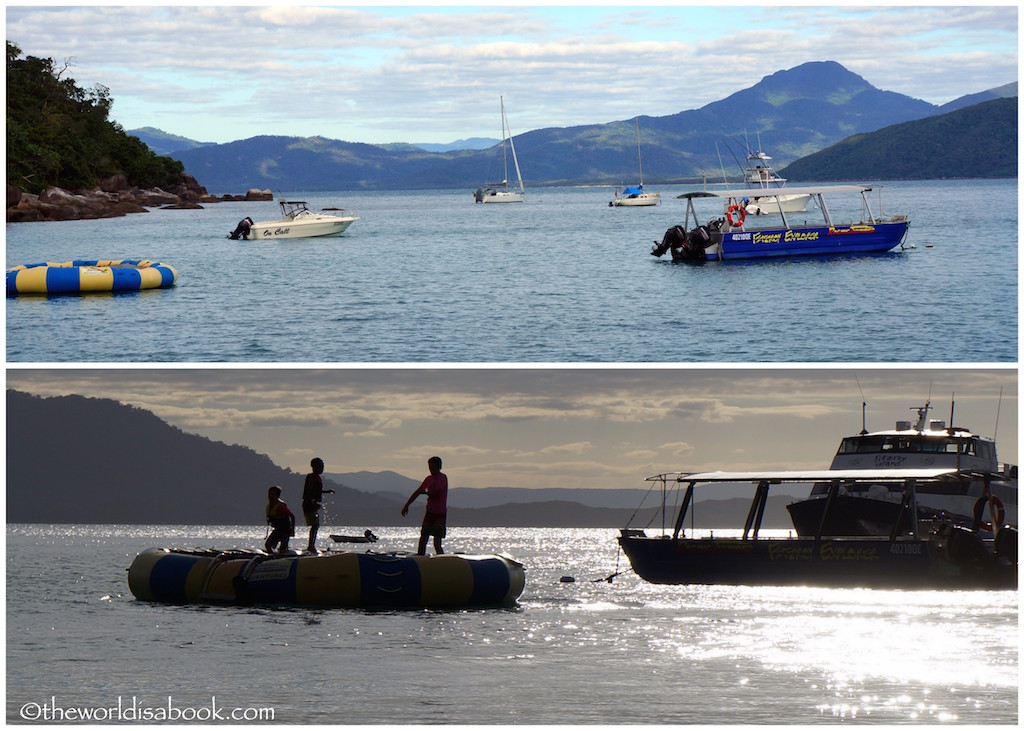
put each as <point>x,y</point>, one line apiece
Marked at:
<point>74,459</point>
<point>790,114</point>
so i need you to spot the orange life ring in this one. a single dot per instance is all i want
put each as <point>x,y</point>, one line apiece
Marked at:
<point>979,510</point>
<point>738,209</point>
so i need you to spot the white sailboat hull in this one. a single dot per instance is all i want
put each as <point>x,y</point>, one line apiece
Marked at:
<point>502,196</point>
<point>644,199</point>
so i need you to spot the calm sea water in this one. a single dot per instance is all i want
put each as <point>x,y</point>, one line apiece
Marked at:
<point>589,652</point>
<point>431,277</point>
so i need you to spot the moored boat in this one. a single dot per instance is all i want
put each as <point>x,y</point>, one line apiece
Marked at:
<point>732,238</point>
<point>332,579</point>
<point>81,276</point>
<point>296,222</point>
<point>499,192</point>
<point>634,196</point>
<point>759,176</point>
<point>983,493</point>
<point>937,556</point>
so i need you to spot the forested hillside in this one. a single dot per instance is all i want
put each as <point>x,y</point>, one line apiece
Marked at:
<point>975,142</point>
<point>59,134</point>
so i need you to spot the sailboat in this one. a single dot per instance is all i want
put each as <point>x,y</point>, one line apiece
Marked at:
<point>499,192</point>
<point>635,196</point>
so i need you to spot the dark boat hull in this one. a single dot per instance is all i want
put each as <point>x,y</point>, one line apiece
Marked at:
<point>957,561</point>
<point>852,516</point>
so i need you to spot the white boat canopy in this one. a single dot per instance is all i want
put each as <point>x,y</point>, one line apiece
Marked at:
<point>740,193</point>
<point>779,476</point>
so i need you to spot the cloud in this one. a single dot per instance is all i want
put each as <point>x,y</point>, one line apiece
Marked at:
<point>372,74</point>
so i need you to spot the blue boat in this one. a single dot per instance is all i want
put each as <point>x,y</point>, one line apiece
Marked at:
<point>730,237</point>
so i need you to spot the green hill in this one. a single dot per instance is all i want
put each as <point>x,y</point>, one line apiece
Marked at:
<point>59,134</point>
<point>975,142</point>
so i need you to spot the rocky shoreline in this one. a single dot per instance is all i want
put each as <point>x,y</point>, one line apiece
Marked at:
<point>113,198</point>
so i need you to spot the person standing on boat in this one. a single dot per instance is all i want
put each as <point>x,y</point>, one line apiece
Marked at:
<point>281,520</point>
<point>435,487</point>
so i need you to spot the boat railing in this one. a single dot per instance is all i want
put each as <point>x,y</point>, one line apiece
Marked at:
<point>836,481</point>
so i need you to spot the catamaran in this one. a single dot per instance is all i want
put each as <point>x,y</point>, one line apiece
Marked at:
<point>635,195</point>
<point>499,192</point>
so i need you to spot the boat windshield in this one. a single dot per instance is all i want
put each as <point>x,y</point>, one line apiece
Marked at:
<point>915,444</point>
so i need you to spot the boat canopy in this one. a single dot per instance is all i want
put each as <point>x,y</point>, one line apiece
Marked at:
<point>632,190</point>
<point>778,476</point>
<point>757,193</point>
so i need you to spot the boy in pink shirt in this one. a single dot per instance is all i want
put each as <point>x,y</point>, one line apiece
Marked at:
<point>435,487</point>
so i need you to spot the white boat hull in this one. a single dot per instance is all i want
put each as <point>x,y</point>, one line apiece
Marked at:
<point>502,196</point>
<point>768,205</point>
<point>644,199</point>
<point>309,227</point>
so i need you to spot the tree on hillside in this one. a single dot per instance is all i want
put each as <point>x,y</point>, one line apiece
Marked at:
<point>60,134</point>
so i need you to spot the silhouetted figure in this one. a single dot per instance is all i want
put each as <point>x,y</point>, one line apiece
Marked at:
<point>435,487</point>
<point>312,496</point>
<point>281,520</point>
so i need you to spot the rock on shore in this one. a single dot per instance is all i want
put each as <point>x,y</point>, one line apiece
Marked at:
<point>113,198</point>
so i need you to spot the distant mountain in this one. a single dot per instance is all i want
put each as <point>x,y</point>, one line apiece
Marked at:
<point>120,464</point>
<point>1006,91</point>
<point>164,143</point>
<point>473,143</point>
<point>979,141</point>
<point>793,113</point>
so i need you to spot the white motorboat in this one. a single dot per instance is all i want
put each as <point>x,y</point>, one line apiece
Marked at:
<point>297,222</point>
<point>759,175</point>
<point>635,196</point>
<point>499,192</point>
<point>985,499</point>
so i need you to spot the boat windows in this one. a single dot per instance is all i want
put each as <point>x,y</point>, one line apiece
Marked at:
<point>902,443</point>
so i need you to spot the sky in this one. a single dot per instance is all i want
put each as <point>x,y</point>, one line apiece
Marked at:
<point>422,74</point>
<point>545,427</point>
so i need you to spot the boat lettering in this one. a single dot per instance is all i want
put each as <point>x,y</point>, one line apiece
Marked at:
<point>281,231</point>
<point>889,460</point>
<point>836,552</point>
<point>782,552</point>
<point>787,236</point>
<point>740,237</point>
<point>906,548</point>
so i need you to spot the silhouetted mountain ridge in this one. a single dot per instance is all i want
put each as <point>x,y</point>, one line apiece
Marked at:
<point>75,459</point>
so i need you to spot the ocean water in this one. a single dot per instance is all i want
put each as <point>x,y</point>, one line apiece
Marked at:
<point>428,276</point>
<point>588,652</point>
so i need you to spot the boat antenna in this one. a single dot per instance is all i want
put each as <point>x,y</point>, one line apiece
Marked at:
<point>863,409</point>
<point>952,407</point>
<point>999,405</point>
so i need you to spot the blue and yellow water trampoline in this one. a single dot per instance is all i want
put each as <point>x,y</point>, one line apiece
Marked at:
<point>79,275</point>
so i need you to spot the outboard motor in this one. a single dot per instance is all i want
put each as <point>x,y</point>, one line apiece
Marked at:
<point>674,239</point>
<point>697,242</point>
<point>478,196</point>
<point>1006,543</point>
<point>242,229</point>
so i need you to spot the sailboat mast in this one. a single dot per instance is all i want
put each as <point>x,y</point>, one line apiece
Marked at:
<point>504,136</point>
<point>638,160</point>
<point>512,144</point>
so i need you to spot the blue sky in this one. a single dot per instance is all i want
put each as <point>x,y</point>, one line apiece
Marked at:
<point>434,74</point>
<point>563,427</point>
